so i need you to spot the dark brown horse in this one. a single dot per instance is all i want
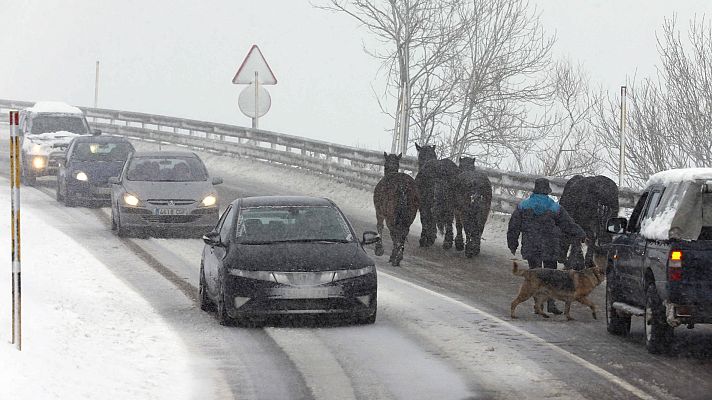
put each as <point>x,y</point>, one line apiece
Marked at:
<point>472,192</point>
<point>590,201</point>
<point>396,200</point>
<point>437,210</point>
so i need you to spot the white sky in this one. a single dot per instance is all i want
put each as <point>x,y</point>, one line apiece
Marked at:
<point>178,57</point>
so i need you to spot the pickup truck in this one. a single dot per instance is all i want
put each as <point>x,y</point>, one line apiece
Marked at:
<point>660,261</point>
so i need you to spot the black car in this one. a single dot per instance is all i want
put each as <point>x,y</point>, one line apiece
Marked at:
<point>286,255</point>
<point>85,170</point>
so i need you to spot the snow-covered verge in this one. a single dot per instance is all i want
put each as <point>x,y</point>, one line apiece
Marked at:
<point>86,334</point>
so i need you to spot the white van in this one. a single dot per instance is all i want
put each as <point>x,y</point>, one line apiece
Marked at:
<point>48,127</point>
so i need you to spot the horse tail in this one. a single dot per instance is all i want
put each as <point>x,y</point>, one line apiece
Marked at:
<point>402,215</point>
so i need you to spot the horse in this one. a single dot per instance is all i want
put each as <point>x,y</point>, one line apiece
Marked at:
<point>434,182</point>
<point>590,201</point>
<point>473,199</point>
<point>396,201</point>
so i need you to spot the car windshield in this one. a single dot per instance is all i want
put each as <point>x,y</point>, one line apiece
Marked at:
<point>56,123</point>
<point>264,225</point>
<point>87,151</point>
<point>166,169</point>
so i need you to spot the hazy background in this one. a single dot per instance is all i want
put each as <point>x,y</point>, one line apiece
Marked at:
<point>178,57</point>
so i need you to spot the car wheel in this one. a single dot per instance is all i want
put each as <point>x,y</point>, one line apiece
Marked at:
<point>205,303</point>
<point>658,334</point>
<point>616,323</point>
<point>113,220</point>
<point>371,318</point>
<point>120,230</point>
<point>58,193</point>
<point>27,179</point>
<point>223,318</point>
<point>69,200</point>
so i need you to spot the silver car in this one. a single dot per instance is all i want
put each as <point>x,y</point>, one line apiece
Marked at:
<point>163,192</point>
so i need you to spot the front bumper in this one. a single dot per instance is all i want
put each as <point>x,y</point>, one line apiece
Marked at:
<point>685,314</point>
<point>90,191</point>
<point>247,297</point>
<point>198,218</point>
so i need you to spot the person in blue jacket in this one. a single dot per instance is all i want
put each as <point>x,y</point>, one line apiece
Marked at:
<point>540,220</point>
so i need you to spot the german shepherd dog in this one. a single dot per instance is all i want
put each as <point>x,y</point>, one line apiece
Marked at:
<point>568,286</point>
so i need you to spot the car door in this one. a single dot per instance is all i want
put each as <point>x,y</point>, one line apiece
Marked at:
<point>631,256</point>
<point>213,255</point>
<point>624,254</point>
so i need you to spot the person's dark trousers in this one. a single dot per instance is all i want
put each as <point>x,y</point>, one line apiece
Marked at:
<point>551,264</point>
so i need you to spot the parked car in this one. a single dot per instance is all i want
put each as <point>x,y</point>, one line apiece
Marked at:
<point>659,264</point>
<point>163,192</point>
<point>85,170</point>
<point>286,255</point>
<point>48,127</point>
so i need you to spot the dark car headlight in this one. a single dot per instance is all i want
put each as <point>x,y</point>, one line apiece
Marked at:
<point>353,273</point>
<point>257,275</point>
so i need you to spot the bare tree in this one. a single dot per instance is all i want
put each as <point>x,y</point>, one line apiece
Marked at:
<point>669,118</point>
<point>463,71</point>
<point>569,148</point>
<point>504,57</point>
<point>416,36</point>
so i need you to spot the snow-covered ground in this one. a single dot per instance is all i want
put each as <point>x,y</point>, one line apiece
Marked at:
<point>86,334</point>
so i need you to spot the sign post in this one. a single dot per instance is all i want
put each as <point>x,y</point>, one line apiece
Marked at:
<point>15,163</point>
<point>254,71</point>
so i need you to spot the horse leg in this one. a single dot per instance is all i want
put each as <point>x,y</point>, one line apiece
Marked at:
<point>459,243</point>
<point>590,245</point>
<point>447,241</point>
<point>427,224</point>
<point>395,239</point>
<point>472,229</point>
<point>379,227</point>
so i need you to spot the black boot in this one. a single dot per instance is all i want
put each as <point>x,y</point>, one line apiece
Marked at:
<point>551,307</point>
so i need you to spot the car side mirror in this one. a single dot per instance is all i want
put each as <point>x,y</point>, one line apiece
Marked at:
<point>370,237</point>
<point>616,225</point>
<point>217,181</point>
<point>212,238</point>
<point>96,132</point>
<point>114,180</point>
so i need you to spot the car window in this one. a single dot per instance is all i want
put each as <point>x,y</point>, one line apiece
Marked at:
<point>653,203</point>
<point>284,224</point>
<point>166,169</point>
<point>226,225</point>
<point>634,224</point>
<point>56,123</point>
<point>91,151</point>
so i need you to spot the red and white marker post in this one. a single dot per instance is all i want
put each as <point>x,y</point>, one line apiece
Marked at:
<point>15,216</point>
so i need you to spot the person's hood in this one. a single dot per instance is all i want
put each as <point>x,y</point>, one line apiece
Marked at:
<point>539,203</point>
<point>145,190</point>
<point>298,256</point>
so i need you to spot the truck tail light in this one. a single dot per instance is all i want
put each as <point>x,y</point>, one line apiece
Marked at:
<point>675,266</point>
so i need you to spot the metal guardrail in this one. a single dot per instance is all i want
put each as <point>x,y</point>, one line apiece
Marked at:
<point>360,168</point>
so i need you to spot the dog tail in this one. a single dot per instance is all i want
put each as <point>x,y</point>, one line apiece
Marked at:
<point>515,269</point>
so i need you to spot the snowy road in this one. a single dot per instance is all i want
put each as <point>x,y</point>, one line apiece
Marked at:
<point>441,330</point>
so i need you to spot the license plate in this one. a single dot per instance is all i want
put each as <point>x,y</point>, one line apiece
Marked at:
<point>171,211</point>
<point>303,293</point>
<point>102,190</point>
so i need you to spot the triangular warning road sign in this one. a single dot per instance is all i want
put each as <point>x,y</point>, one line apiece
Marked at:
<point>254,62</point>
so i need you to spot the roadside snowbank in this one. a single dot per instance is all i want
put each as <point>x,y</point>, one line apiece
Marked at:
<point>86,335</point>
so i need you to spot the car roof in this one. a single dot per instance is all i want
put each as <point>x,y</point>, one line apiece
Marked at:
<point>282,201</point>
<point>54,107</point>
<point>102,139</point>
<point>164,154</point>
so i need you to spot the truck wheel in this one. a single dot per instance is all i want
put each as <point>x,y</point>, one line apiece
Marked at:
<point>616,323</point>
<point>658,334</point>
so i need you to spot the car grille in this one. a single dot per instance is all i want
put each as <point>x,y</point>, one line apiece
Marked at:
<point>167,202</point>
<point>170,219</point>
